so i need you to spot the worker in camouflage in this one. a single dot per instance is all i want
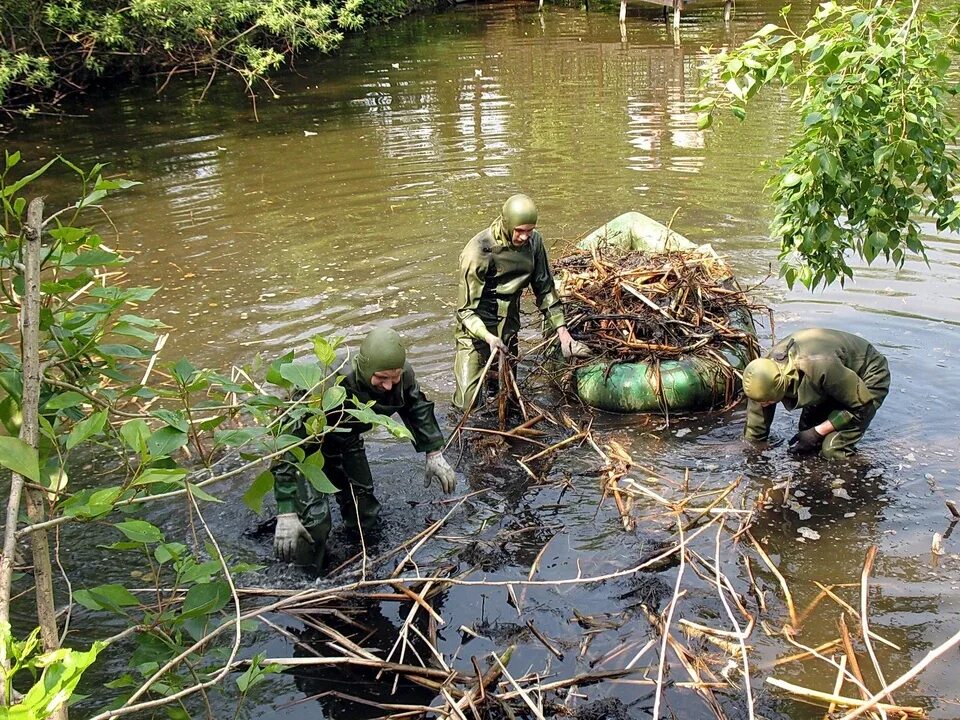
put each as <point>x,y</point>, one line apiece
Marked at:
<point>838,379</point>
<point>379,373</point>
<point>495,268</point>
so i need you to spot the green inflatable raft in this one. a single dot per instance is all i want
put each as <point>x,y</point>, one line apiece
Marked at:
<point>686,384</point>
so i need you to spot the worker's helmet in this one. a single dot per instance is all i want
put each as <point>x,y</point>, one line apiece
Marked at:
<point>764,380</point>
<point>382,349</point>
<point>518,210</point>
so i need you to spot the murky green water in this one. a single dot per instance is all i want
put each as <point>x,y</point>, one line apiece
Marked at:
<point>348,202</point>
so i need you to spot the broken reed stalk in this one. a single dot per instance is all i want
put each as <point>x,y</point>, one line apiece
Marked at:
<point>837,687</point>
<point>864,625</point>
<point>851,656</point>
<point>783,583</point>
<point>736,626</point>
<point>850,609</point>
<point>874,700</point>
<point>666,622</point>
<point>829,645</point>
<point>860,706</point>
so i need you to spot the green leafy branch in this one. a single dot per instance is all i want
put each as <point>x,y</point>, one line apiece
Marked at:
<point>876,146</point>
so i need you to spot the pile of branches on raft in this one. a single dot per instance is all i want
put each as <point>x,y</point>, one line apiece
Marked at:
<point>635,306</point>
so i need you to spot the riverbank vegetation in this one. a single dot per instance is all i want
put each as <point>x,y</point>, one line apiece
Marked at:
<point>79,376</point>
<point>876,150</point>
<point>51,49</point>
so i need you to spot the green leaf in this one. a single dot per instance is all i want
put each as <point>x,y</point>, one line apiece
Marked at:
<point>262,484</point>
<point>333,397</point>
<point>302,375</point>
<point>134,434</point>
<point>767,29</point>
<point>704,120</point>
<point>90,503</point>
<point>19,457</point>
<point>202,494</point>
<point>121,350</point>
<point>151,476</point>
<point>87,428</point>
<point>366,414</point>
<point>165,440</point>
<point>193,572</point>
<point>106,597</point>
<point>236,437</point>
<point>26,180</point>
<point>165,552</point>
<point>317,478</point>
<point>791,179</point>
<point>91,258</point>
<point>93,198</point>
<point>65,400</point>
<point>273,372</point>
<point>124,681</point>
<point>183,371</point>
<point>140,531</point>
<point>205,599</point>
<point>173,419</point>
<point>325,351</point>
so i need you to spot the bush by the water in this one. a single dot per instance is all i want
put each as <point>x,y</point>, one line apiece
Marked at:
<point>52,48</point>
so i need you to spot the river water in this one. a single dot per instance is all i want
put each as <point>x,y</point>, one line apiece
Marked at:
<point>347,203</point>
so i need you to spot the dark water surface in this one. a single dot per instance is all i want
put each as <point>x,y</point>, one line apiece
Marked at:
<point>347,204</point>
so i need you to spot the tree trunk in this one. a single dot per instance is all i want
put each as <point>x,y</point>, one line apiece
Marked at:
<point>30,434</point>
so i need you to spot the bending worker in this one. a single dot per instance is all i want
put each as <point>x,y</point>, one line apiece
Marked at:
<point>379,372</point>
<point>495,267</point>
<point>838,379</point>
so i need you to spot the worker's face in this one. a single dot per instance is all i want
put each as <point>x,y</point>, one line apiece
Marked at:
<point>521,235</point>
<point>384,380</point>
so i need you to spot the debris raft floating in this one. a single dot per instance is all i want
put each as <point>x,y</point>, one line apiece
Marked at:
<point>637,306</point>
<point>665,318</point>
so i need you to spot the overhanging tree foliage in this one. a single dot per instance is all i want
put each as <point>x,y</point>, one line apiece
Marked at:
<point>876,150</point>
<point>51,48</point>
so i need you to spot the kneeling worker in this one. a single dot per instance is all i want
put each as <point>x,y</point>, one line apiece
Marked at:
<point>838,379</point>
<point>379,372</point>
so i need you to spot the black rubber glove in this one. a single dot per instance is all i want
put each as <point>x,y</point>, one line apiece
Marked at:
<point>806,442</point>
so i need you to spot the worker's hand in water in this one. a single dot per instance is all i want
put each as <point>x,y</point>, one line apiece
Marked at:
<point>289,537</point>
<point>806,442</point>
<point>438,470</point>
<point>571,348</point>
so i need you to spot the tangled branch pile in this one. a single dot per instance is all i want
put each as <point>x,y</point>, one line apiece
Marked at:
<point>633,306</point>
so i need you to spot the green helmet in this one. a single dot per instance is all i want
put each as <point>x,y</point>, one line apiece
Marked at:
<point>518,210</point>
<point>764,380</point>
<point>382,349</point>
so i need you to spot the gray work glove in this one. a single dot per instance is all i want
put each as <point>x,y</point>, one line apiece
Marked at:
<point>289,537</point>
<point>571,348</point>
<point>439,470</point>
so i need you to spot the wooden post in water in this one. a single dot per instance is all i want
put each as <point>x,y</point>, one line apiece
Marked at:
<point>676,14</point>
<point>540,6</point>
<point>727,7</point>
<point>623,11</point>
